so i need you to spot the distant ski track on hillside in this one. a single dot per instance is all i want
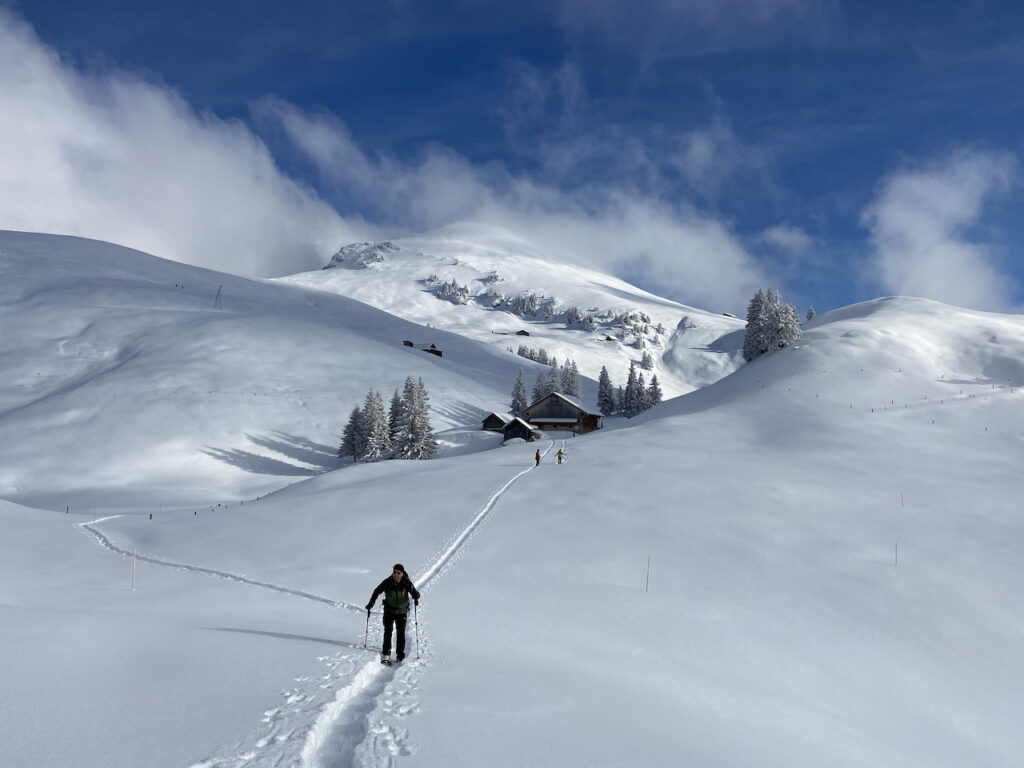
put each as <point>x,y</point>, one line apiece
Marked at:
<point>312,730</point>
<point>109,545</point>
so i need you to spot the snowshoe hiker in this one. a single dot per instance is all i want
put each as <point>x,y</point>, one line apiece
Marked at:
<point>396,590</point>
<point>560,454</point>
<point>536,457</point>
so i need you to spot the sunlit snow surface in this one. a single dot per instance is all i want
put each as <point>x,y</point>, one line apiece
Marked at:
<point>834,535</point>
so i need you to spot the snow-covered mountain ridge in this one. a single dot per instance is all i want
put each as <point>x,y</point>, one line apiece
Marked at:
<point>489,285</point>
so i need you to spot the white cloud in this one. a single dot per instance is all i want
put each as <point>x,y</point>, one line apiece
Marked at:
<point>919,224</point>
<point>112,157</point>
<point>669,248</point>
<point>709,158</point>
<point>787,238</point>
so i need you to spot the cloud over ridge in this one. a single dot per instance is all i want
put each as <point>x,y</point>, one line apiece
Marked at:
<point>111,156</point>
<point>919,226</point>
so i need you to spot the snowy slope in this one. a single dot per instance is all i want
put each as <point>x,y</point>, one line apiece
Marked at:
<point>206,398</point>
<point>779,625</point>
<point>497,269</point>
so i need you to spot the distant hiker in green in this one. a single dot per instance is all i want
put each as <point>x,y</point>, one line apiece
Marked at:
<point>536,458</point>
<point>396,589</point>
<point>560,454</point>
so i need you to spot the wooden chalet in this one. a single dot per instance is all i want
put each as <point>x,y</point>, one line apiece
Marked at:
<point>558,412</point>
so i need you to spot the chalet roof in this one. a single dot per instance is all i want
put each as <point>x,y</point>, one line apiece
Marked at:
<point>521,421</point>
<point>578,405</point>
<point>505,417</point>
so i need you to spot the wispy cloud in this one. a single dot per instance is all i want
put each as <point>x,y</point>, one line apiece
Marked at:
<point>666,246</point>
<point>920,225</point>
<point>110,156</point>
<point>712,157</point>
<point>787,238</point>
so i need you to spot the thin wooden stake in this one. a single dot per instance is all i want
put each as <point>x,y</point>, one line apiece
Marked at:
<point>133,568</point>
<point>647,586</point>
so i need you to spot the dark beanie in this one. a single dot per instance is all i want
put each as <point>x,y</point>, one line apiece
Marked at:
<point>399,567</point>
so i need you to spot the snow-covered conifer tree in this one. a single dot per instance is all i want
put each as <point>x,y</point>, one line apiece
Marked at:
<point>416,436</point>
<point>647,362</point>
<point>752,339</point>
<point>378,434</point>
<point>654,394</point>
<point>605,393</point>
<point>394,415</point>
<point>570,379</point>
<point>789,327</point>
<point>352,437</point>
<point>554,377</point>
<point>811,314</point>
<point>781,323</point>
<point>519,395</point>
<point>642,400</point>
<point>541,387</point>
<point>630,401</point>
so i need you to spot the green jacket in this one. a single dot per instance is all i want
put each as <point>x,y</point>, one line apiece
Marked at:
<point>396,595</point>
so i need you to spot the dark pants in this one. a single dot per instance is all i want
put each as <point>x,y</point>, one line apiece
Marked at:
<point>394,621</point>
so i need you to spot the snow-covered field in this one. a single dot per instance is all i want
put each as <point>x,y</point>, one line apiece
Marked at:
<point>834,536</point>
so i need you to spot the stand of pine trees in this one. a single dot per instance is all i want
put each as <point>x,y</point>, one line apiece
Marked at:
<point>771,325</point>
<point>563,378</point>
<point>636,397</point>
<point>404,432</point>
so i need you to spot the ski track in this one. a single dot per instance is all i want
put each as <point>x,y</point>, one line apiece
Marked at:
<point>361,725</point>
<point>108,544</point>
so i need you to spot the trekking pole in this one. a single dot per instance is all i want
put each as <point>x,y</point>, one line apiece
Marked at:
<point>367,635</point>
<point>416,620</point>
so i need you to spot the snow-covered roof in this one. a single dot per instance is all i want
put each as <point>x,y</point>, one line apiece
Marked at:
<point>526,424</point>
<point>571,401</point>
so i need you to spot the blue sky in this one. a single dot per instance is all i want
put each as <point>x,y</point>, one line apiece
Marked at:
<point>837,151</point>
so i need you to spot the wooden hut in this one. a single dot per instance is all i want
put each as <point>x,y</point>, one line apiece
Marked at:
<point>495,422</point>
<point>518,428</point>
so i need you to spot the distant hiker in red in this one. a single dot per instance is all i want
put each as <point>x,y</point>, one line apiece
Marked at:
<point>396,589</point>
<point>537,458</point>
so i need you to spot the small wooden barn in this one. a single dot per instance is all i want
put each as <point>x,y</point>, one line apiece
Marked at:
<point>518,428</point>
<point>432,348</point>
<point>563,413</point>
<point>495,422</point>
